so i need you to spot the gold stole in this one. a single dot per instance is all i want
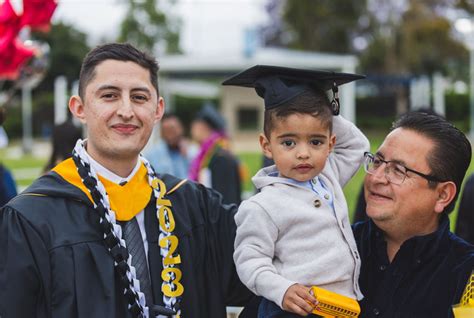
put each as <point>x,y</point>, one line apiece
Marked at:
<point>126,201</point>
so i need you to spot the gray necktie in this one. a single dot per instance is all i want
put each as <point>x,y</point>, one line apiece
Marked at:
<point>134,240</point>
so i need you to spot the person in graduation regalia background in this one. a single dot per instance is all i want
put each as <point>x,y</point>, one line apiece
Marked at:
<point>215,165</point>
<point>102,235</point>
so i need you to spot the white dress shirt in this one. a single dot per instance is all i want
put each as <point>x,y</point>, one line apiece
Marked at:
<point>109,175</point>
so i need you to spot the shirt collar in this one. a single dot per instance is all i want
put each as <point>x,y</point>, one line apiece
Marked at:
<point>421,247</point>
<point>304,184</point>
<point>109,175</point>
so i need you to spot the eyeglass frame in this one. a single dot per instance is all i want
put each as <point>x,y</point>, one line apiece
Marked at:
<point>425,176</point>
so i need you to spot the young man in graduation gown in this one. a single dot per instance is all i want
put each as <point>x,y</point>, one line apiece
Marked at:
<point>102,235</point>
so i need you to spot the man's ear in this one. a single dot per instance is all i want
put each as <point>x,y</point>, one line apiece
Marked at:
<point>446,193</point>
<point>265,145</point>
<point>76,107</point>
<point>160,109</point>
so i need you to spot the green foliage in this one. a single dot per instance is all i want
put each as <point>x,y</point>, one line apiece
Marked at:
<point>467,5</point>
<point>149,28</point>
<point>427,45</point>
<point>410,37</point>
<point>33,165</point>
<point>323,25</point>
<point>252,162</point>
<point>43,113</point>
<point>375,112</point>
<point>187,107</point>
<point>68,46</point>
<point>377,57</point>
<point>420,42</point>
<point>12,124</point>
<point>457,106</point>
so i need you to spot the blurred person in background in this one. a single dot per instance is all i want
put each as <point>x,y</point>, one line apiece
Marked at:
<point>64,138</point>
<point>465,219</point>
<point>173,153</point>
<point>7,183</point>
<point>3,133</point>
<point>215,166</point>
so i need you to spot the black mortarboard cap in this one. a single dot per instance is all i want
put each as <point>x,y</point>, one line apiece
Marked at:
<point>278,85</point>
<point>212,117</point>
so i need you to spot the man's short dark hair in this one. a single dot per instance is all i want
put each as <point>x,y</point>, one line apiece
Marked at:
<point>315,103</point>
<point>120,52</point>
<point>451,154</point>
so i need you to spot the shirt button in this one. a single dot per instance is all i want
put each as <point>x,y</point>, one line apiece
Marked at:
<point>418,261</point>
<point>326,196</point>
<point>317,203</point>
<point>376,311</point>
<point>382,267</point>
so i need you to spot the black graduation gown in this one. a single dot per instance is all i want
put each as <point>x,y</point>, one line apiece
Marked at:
<point>54,262</point>
<point>225,176</point>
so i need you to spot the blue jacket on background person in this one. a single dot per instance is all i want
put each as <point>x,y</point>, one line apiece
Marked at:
<point>7,185</point>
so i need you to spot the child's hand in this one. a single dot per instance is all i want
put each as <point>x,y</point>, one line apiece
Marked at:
<point>299,300</point>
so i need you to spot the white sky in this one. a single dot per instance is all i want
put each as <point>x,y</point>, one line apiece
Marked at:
<point>208,26</point>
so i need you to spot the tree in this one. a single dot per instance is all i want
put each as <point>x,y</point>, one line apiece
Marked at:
<point>323,25</point>
<point>395,39</point>
<point>68,46</point>
<point>418,40</point>
<point>391,37</point>
<point>147,27</point>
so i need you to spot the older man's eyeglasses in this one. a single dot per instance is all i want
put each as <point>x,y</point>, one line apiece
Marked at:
<point>395,172</point>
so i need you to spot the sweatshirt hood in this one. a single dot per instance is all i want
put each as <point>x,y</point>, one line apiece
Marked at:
<point>267,176</point>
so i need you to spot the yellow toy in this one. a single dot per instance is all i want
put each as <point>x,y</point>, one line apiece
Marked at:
<point>466,307</point>
<point>332,305</point>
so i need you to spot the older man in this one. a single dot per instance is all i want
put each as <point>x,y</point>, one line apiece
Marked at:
<point>412,265</point>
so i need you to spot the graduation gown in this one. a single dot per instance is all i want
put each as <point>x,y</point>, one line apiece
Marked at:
<point>225,175</point>
<point>54,262</point>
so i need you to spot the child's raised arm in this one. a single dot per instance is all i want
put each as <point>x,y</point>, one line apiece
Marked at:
<point>348,153</point>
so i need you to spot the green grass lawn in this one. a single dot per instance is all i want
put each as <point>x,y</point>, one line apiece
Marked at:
<point>25,169</point>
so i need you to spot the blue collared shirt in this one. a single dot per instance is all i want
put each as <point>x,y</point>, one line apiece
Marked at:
<point>317,186</point>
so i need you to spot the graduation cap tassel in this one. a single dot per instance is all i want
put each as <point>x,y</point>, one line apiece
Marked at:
<point>335,100</point>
